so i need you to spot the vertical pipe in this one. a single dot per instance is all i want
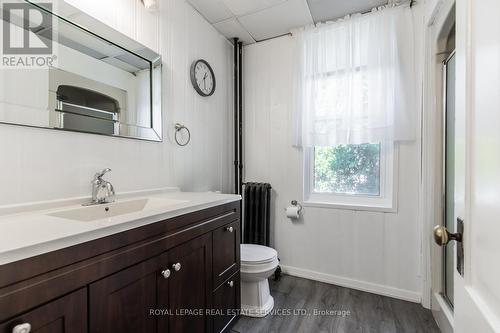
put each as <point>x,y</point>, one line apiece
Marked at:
<point>240,116</point>
<point>236,122</point>
<point>238,141</point>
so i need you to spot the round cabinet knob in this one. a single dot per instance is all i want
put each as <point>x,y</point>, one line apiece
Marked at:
<point>22,328</point>
<point>231,284</point>
<point>230,229</point>
<point>177,267</point>
<point>166,273</point>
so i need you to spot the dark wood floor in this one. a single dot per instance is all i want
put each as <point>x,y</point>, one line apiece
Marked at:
<point>367,312</point>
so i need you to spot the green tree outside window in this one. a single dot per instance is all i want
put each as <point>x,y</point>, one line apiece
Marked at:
<point>347,169</point>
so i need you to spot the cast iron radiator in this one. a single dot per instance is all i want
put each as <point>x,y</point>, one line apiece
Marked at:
<point>257,213</point>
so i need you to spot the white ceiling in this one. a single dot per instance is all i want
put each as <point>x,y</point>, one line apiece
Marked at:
<point>256,20</point>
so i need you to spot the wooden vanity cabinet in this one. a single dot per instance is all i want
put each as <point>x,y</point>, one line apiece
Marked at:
<point>121,302</point>
<point>226,303</point>
<point>226,258</point>
<point>153,293</point>
<point>178,275</point>
<point>67,314</point>
<point>189,289</point>
<point>226,275</point>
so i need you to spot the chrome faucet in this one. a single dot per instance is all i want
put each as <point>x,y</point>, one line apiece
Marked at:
<point>102,190</point>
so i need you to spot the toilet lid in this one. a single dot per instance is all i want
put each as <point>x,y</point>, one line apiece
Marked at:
<point>257,253</point>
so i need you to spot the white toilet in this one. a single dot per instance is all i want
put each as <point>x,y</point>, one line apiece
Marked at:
<point>257,264</point>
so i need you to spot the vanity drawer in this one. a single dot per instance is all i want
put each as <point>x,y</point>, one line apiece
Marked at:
<point>64,315</point>
<point>226,300</point>
<point>226,252</point>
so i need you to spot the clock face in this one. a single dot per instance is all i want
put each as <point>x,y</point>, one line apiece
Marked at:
<point>203,78</point>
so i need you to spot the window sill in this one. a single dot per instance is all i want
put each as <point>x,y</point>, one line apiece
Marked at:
<point>354,207</point>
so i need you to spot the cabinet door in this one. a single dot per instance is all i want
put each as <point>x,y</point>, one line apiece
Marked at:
<point>123,301</point>
<point>189,287</point>
<point>226,252</point>
<point>64,315</point>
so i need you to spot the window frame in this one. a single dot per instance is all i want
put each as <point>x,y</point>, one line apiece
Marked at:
<point>386,201</point>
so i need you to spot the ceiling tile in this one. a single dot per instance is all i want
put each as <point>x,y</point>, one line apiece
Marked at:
<point>232,28</point>
<point>324,10</point>
<point>243,7</point>
<point>212,10</point>
<point>277,20</point>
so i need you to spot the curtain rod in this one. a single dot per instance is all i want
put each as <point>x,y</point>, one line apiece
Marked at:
<point>411,2</point>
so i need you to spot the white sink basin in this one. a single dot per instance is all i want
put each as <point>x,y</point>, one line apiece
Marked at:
<point>105,211</point>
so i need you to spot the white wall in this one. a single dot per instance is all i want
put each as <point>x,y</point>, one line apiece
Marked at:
<point>39,164</point>
<point>130,17</point>
<point>374,251</point>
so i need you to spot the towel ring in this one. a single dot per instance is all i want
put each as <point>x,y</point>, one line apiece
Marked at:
<point>178,128</point>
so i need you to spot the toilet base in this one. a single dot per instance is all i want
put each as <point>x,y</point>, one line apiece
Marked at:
<point>256,300</point>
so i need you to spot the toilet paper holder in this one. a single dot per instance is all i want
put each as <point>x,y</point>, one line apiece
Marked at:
<point>296,203</point>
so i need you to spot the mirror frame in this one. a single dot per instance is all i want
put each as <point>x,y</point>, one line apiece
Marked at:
<point>106,34</point>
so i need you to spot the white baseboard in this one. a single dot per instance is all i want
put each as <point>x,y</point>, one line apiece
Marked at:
<point>374,288</point>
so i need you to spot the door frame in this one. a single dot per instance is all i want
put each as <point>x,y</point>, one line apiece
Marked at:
<point>444,185</point>
<point>439,22</point>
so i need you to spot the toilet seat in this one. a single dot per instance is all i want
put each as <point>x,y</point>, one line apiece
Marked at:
<point>258,259</point>
<point>252,254</point>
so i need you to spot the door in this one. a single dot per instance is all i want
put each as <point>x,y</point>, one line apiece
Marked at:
<point>189,287</point>
<point>477,292</point>
<point>167,293</point>
<point>122,302</point>
<point>64,315</point>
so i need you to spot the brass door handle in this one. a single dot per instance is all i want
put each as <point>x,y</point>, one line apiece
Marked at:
<point>442,236</point>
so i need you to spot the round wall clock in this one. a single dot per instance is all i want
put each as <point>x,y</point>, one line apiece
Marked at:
<point>202,78</point>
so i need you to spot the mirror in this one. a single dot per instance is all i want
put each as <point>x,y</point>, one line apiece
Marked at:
<point>57,74</point>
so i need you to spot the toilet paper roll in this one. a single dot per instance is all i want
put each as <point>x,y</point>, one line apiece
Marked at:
<point>292,212</point>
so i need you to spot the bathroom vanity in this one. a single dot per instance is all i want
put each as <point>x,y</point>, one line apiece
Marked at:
<point>170,268</point>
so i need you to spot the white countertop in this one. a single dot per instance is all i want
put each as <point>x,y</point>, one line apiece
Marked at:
<point>28,230</point>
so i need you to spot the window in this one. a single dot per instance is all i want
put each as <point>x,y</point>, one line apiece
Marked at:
<point>357,176</point>
<point>347,169</point>
<point>354,103</point>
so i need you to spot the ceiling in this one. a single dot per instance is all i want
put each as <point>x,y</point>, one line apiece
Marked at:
<point>256,20</point>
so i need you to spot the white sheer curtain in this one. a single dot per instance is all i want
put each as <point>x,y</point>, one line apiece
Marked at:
<point>355,80</point>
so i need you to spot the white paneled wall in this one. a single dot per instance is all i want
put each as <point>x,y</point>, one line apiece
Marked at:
<point>39,164</point>
<point>206,163</point>
<point>146,25</point>
<point>374,251</point>
<point>127,16</point>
